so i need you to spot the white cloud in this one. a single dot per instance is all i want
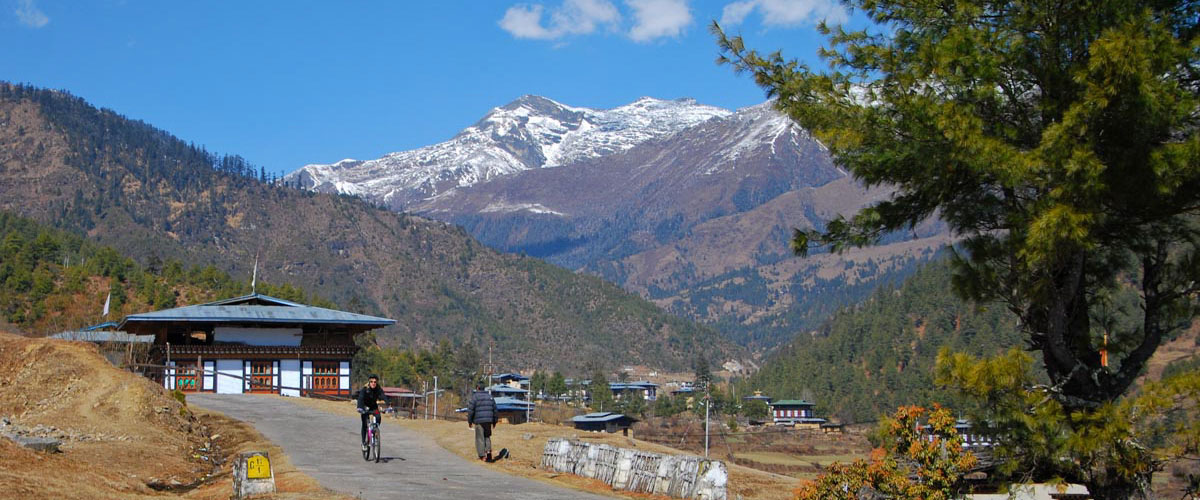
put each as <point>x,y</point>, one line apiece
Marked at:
<point>524,21</point>
<point>658,18</point>
<point>573,17</point>
<point>30,15</point>
<point>736,12</point>
<point>785,12</point>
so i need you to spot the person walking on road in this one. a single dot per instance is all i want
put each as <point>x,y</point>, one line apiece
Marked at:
<point>481,413</point>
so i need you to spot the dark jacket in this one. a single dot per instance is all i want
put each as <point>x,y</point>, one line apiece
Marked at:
<point>368,398</point>
<point>481,409</point>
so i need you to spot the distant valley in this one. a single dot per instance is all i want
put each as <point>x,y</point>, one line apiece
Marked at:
<point>688,205</point>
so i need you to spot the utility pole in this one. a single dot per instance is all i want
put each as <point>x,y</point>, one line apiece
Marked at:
<point>435,395</point>
<point>490,367</point>
<point>425,394</point>
<point>707,405</point>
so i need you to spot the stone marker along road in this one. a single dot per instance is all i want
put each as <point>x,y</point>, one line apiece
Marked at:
<point>325,446</point>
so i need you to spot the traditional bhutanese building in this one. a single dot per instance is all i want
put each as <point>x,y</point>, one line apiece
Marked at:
<point>794,412</point>
<point>254,343</point>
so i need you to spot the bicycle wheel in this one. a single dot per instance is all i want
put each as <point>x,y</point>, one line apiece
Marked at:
<point>376,445</point>
<point>366,451</point>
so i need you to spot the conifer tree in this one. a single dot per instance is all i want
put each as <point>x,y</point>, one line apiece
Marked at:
<point>1058,139</point>
<point>602,396</point>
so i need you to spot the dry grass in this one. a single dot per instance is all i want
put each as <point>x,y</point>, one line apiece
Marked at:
<point>777,458</point>
<point>1183,346</point>
<point>136,435</point>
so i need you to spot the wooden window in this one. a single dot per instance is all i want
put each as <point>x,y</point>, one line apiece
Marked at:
<point>262,376</point>
<point>325,376</point>
<point>185,377</point>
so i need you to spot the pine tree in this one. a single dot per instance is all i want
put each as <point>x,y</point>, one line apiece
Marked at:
<point>1059,139</point>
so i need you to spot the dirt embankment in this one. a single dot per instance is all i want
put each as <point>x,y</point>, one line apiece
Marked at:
<point>123,436</point>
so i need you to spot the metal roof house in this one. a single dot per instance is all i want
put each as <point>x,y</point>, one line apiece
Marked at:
<point>119,348</point>
<point>103,336</point>
<point>686,388</point>
<point>254,343</point>
<point>511,379</point>
<point>644,389</point>
<point>512,410</point>
<point>796,412</point>
<point>498,391</point>
<point>604,421</point>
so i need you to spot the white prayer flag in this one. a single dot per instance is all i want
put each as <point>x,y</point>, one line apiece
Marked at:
<point>107,300</point>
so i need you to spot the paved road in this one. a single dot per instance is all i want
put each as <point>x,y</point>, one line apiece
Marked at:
<point>323,445</point>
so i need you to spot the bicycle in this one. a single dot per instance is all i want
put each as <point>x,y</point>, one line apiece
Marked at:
<point>373,438</point>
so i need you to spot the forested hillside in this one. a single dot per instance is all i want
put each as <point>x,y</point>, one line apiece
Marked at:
<point>155,198</point>
<point>54,280</point>
<point>871,358</point>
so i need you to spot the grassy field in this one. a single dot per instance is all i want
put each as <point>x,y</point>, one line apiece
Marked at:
<point>777,458</point>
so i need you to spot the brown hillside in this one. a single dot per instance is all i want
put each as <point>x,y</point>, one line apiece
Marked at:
<point>1181,347</point>
<point>123,436</point>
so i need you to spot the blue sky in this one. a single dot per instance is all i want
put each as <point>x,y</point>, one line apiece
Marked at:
<point>285,84</point>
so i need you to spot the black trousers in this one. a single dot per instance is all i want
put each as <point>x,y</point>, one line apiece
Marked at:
<point>365,417</point>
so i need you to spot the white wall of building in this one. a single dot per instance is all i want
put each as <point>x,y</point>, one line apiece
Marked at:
<point>169,379</point>
<point>289,376</point>
<point>209,367</point>
<point>258,336</point>
<point>229,384</point>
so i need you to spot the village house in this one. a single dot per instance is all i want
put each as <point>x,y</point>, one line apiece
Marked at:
<point>972,439</point>
<point>401,400</point>
<point>604,421</point>
<point>254,344</point>
<point>511,379</point>
<point>513,411</point>
<point>508,391</point>
<point>642,389</point>
<point>579,390</point>
<point>685,388</point>
<point>796,412</point>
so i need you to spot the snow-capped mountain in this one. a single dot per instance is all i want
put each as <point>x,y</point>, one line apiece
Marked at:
<point>530,133</point>
<point>689,205</point>
<point>727,163</point>
<point>600,209</point>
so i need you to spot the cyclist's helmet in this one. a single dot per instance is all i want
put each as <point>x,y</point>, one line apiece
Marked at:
<point>373,376</point>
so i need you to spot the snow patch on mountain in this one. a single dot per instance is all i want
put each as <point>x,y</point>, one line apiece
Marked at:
<point>531,132</point>
<point>536,208</point>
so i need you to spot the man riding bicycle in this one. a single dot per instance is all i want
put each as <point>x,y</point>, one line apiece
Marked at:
<point>368,403</point>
